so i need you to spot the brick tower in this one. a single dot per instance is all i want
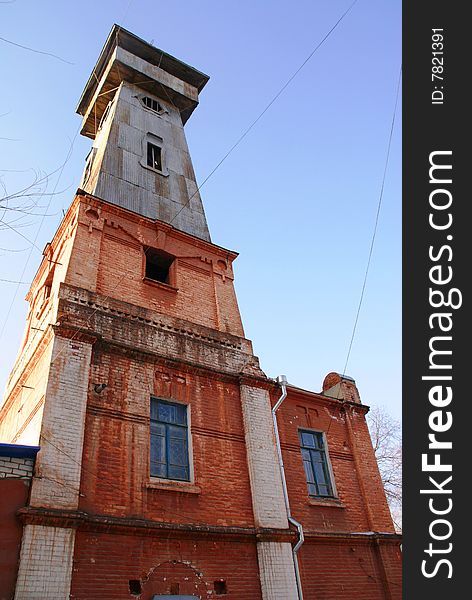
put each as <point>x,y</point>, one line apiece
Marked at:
<point>158,471</point>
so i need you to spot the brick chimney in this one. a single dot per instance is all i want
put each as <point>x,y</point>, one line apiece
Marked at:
<point>341,387</point>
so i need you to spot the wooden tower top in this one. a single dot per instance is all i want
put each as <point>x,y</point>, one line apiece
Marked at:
<point>134,108</point>
<point>125,56</point>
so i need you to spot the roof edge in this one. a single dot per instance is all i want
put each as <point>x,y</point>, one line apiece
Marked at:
<point>119,36</point>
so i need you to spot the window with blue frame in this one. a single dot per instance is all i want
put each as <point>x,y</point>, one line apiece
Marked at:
<point>169,440</point>
<point>315,463</point>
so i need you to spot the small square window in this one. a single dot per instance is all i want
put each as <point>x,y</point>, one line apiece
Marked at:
<point>220,587</point>
<point>135,587</point>
<point>158,264</point>
<point>154,157</point>
<point>315,463</point>
<point>154,154</point>
<point>169,440</point>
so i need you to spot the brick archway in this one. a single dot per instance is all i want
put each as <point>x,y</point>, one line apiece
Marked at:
<point>174,577</point>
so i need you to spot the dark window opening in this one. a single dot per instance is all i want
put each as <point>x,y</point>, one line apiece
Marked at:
<point>169,440</point>
<point>315,463</point>
<point>105,115</point>
<point>135,587</point>
<point>154,156</point>
<point>48,284</point>
<point>220,587</point>
<point>89,165</point>
<point>158,265</point>
<point>151,104</point>
<point>174,589</point>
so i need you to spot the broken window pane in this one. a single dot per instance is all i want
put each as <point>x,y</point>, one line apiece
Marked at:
<point>154,156</point>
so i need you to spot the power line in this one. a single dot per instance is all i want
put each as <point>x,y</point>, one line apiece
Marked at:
<point>35,51</point>
<point>245,133</point>
<point>17,282</point>
<point>374,233</point>
<point>228,153</point>
<point>274,99</point>
<point>21,235</point>
<point>126,10</point>
<point>10,250</point>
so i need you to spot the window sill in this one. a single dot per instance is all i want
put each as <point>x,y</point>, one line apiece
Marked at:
<point>173,486</point>
<point>160,284</point>
<point>158,171</point>
<point>328,502</point>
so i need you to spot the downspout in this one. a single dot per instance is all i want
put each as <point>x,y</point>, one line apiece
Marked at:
<point>282,381</point>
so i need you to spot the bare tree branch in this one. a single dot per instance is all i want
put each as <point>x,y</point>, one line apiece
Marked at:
<point>387,442</point>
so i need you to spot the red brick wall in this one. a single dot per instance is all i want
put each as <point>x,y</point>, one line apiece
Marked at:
<point>345,569</point>
<point>104,564</point>
<point>306,411</point>
<point>349,571</point>
<point>115,472</point>
<point>108,258</point>
<point>116,446</point>
<point>13,495</point>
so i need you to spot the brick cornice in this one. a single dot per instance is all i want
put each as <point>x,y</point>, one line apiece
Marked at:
<point>315,537</point>
<point>295,393</point>
<point>171,363</point>
<point>259,382</point>
<point>135,526</point>
<point>169,229</point>
<point>80,312</point>
<point>82,520</point>
<point>73,299</point>
<point>76,334</point>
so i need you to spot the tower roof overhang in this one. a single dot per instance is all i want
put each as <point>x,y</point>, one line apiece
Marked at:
<point>126,57</point>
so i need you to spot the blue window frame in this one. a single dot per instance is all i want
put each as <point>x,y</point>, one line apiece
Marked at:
<point>169,440</point>
<point>315,463</point>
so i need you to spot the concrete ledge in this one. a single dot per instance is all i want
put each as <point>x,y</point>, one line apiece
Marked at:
<point>327,502</point>
<point>173,486</point>
<point>70,519</point>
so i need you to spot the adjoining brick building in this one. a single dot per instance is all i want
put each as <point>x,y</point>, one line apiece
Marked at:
<point>16,471</point>
<point>158,473</point>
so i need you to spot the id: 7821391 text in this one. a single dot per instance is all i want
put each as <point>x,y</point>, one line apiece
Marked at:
<point>437,66</point>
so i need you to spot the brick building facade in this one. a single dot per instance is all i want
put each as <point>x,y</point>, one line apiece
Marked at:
<point>158,472</point>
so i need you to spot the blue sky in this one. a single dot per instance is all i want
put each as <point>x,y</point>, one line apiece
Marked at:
<point>297,198</point>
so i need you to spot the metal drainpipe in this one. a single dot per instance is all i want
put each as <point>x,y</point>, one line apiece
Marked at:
<point>282,381</point>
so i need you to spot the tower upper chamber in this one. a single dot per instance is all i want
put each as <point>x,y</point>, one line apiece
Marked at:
<point>134,108</point>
